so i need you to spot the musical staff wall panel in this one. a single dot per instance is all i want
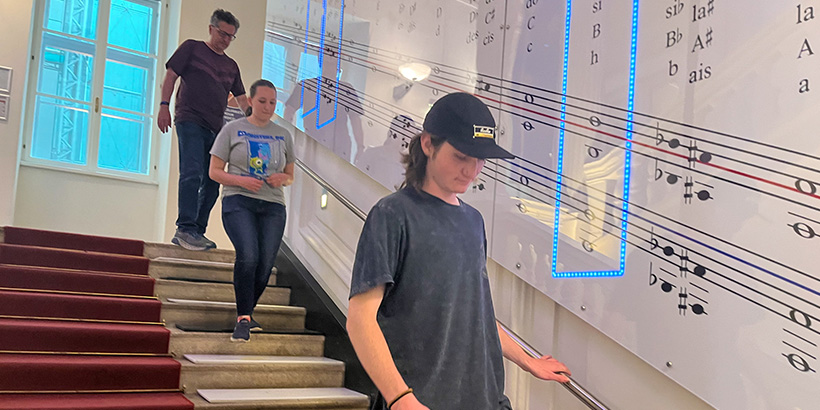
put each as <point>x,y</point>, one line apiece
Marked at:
<point>667,169</point>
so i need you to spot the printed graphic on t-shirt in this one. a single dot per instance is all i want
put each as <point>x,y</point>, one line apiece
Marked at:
<point>262,160</point>
<point>259,158</point>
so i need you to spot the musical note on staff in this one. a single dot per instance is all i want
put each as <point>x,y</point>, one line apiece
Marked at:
<point>697,308</point>
<point>478,184</point>
<point>660,139</point>
<point>684,294</point>
<point>666,286</point>
<point>689,185</point>
<point>694,154</point>
<point>595,121</point>
<point>671,178</point>
<point>688,191</point>
<point>481,85</point>
<point>803,229</point>
<point>798,353</point>
<point>589,242</point>
<point>683,257</point>
<point>805,186</point>
<point>593,152</point>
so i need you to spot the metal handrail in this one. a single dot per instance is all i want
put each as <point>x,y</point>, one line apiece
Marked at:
<point>332,191</point>
<point>576,389</point>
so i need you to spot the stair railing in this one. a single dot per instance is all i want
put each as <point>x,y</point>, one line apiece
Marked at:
<point>576,389</point>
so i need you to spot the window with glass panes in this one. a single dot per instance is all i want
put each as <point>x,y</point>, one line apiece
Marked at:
<point>93,89</point>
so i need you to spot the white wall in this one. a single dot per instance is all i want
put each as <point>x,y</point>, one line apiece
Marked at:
<point>64,201</point>
<point>325,240</point>
<point>15,18</point>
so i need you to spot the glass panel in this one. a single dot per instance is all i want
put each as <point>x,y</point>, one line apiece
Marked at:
<point>131,26</point>
<point>65,72</point>
<point>60,130</point>
<point>273,64</point>
<point>75,17</point>
<point>124,142</point>
<point>125,86</point>
<point>308,67</point>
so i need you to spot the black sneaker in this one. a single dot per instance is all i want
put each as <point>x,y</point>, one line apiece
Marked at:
<point>255,326</point>
<point>189,241</point>
<point>242,331</point>
<point>209,244</point>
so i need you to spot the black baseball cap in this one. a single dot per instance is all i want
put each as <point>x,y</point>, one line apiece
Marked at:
<point>467,124</point>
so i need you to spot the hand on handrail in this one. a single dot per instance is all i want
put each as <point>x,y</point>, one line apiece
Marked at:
<point>548,368</point>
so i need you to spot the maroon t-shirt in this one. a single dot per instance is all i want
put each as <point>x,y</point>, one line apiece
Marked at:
<point>205,80</point>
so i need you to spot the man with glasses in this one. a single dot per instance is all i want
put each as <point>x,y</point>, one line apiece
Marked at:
<point>207,76</point>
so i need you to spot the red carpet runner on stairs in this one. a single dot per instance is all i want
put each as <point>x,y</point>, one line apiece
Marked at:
<point>79,326</point>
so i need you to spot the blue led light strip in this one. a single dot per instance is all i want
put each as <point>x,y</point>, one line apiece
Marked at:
<point>302,98</point>
<point>627,155</point>
<point>321,62</point>
<point>338,65</point>
<point>629,116</point>
<point>559,173</point>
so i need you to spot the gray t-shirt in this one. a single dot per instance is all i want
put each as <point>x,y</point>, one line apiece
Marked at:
<point>254,151</point>
<point>437,314</point>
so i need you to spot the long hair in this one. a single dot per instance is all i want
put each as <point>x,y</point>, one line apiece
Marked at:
<point>415,161</point>
<point>256,84</point>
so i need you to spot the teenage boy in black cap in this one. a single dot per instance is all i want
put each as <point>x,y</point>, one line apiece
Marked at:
<point>421,317</point>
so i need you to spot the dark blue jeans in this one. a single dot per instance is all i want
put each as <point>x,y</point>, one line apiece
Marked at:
<point>197,191</point>
<point>255,228</point>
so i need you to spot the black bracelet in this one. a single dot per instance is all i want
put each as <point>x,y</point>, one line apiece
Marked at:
<point>392,402</point>
<point>164,103</point>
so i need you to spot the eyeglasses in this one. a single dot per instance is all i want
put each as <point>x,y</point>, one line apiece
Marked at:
<point>223,33</point>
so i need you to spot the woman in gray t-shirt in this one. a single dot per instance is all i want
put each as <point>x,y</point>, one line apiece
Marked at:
<point>259,156</point>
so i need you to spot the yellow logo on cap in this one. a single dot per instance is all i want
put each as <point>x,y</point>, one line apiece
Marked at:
<point>480,131</point>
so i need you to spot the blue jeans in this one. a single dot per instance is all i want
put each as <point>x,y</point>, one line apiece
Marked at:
<point>197,191</point>
<point>255,228</point>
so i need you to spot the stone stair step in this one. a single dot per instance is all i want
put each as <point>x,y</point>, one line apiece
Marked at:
<point>235,372</point>
<point>214,291</point>
<point>155,250</point>
<point>165,267</point>
<point>255,359</point>
<point>282,344</point>
<point>329,398</point>
<point>223,314</point>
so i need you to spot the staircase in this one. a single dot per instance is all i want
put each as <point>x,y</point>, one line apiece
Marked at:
<point>102,323</point>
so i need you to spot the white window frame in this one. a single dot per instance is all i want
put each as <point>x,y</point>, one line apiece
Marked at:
<point>96,105</point>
